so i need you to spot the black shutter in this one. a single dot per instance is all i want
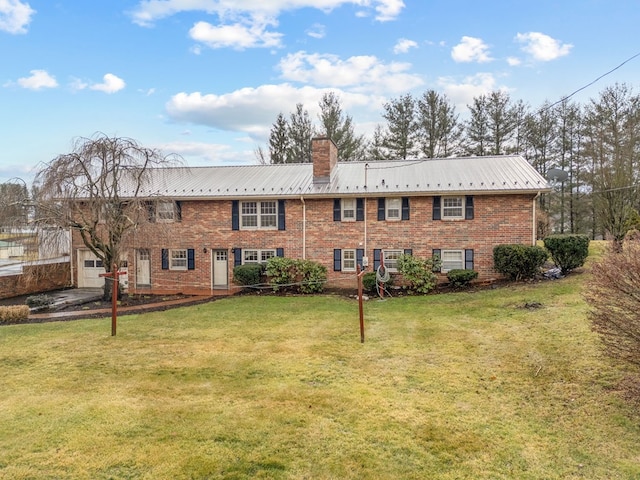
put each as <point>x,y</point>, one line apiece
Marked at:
<point>437,258</point>
<point>336,210</point>
<point>405,208</point>
<point>279,252</point>
<point>281,217</point>
<point>468,259</point>
<point>359,209</point>
<point>359,255</point>
<point>235,215</point>
<point>237,257</point>
<point>165,259</point>
<point>376,258</point>
<point>468,209</point>
<point>436,208</point>
<point>178,211</point>
<point>381,208</point>
<point>191,259</point>
<point>337,260</point>
<point>408,251</point>
<point>151,211</point>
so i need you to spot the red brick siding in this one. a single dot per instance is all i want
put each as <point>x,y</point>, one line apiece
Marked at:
<point>207,224</point>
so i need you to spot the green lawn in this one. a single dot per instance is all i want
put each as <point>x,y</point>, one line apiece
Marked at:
<point>448,386</point>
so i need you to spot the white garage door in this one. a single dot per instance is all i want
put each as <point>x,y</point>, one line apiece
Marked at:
<point>89,270</point>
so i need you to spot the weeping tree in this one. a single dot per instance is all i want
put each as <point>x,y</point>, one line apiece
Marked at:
<point>101,192</point>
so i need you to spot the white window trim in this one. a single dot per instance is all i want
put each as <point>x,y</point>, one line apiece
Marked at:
<point>259,215</point>
<point>443,253</point>
<point>385,260</point>
<point>165,212</point>
<point>462,208</point>
<point>259,255</point>
<point>348,205</point>
<point>176,251</point>
<point>344,259</point>
<point>394,203</point>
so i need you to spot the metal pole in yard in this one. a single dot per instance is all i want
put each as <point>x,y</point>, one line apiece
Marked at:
<point>359,275</point>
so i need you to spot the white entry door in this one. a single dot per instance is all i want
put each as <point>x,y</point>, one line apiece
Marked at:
<point>143,268</point>
<point>89,270</point>
<point>220,269</point>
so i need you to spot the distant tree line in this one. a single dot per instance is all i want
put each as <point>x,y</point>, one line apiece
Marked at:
<point>597,144</point>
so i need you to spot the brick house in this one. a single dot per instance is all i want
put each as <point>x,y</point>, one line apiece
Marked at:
<point>209,219</point>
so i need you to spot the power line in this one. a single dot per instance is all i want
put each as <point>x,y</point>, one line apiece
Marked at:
<point>566,97</point>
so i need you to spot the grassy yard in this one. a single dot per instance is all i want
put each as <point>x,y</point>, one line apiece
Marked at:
<point>449,386</point>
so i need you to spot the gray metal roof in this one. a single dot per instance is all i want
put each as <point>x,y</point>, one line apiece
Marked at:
<point>463,175</point>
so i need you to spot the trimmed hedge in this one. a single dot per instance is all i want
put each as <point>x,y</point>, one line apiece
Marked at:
<point>567,251</point>
<point>248,275</point>
<point>302,276</point>
<point>461,278</point>
<point>519,262</point>
<point>14,314</point>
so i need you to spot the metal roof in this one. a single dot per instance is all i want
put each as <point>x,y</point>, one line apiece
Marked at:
<point>463,175</point>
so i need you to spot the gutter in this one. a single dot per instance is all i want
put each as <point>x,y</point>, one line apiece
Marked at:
<point>304,228</point>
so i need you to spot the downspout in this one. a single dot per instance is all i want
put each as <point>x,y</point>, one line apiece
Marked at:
<point>71,255</point>
<point>366,166</point>
<point>535,227</point>
<point>304,228</point>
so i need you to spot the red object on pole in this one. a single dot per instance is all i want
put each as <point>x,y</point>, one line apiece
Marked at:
<point>359,275</point>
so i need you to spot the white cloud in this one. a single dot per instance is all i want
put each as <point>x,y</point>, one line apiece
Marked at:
<point>15,16</point>
<point>317,30</point>
<point>463,92</point>
<point>38,80</point>
<point>388,9</point>
<point>237,36</point>
<point>404,45</point>
<point>542,47</point>
<point>111,84</point>
<point>149,11</point>
<point>253,110</point>
<point>513,61</point>
<point>471,49</point>
<point>201,153</point>
<point>364,73</point>
<point>78,84</point>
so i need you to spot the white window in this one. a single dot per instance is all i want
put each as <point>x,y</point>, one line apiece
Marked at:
<point>394,208</point>
<point>348,209</point>
<point>165,212</point>
<point>259,214</point>
<point>390,258</point>
<point>257,256</point>
<point>348,260</point>
<point>453,207</point>
<point>452,260</point>
<point>178,259</point>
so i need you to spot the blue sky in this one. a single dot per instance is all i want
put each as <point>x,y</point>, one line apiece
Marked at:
<point>207,78</point>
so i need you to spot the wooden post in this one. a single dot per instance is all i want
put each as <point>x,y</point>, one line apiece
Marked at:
<point>359,275</point>
<point>113,275</point>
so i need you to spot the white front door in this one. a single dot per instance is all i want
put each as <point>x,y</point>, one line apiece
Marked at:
<point>143,267</point>
<point>89,270</point>
<point>220,269</point>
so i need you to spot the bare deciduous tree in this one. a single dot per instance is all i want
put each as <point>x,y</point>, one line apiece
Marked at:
<point>98,191</point>
<point>614,296</point>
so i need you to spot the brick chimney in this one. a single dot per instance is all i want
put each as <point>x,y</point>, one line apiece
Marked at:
<point>324,155</point>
